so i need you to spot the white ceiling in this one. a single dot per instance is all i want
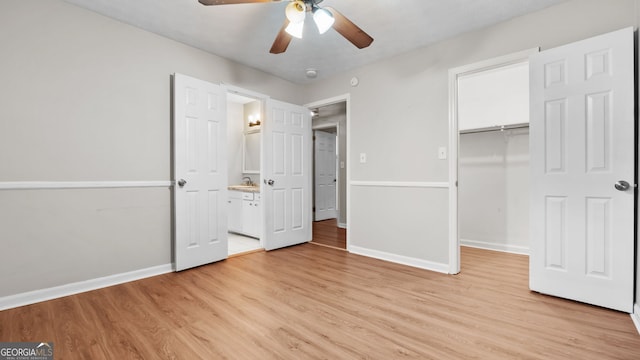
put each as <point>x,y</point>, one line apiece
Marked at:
<point>245,32</point>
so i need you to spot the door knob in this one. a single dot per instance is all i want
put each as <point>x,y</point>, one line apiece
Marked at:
<point>182,182</point>
<point>622,185</point>
<point>269,182</point>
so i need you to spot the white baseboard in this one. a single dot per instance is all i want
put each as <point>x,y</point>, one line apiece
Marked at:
<point>514,249</point>
<point>400,259</point>
<point>342,225</point>
<point>636,316</point>
<point>32,297</point>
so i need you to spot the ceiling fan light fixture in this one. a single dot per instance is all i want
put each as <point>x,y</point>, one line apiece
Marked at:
<point>323,19</point>
<point>296,11</point>
<point>295,29</point>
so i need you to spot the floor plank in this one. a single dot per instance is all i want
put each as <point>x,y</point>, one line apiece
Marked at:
<point>328,233</point>
<point>313,302</point>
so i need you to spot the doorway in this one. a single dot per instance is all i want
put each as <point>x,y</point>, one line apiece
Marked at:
<point>329,122</point>
<point>489,104</point>
<point>244,219</point>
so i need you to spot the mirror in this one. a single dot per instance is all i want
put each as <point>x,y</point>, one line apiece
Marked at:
<point>251,153</point>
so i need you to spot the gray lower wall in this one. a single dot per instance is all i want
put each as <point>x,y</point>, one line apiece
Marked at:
<point>394,226</point>
<point>56,237</point>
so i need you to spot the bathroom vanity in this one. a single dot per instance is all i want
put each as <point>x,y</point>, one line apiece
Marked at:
<point>244,210</point>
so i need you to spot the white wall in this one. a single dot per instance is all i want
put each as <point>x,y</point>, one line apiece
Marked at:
<point>399,117</point>
<point>494,97</point>
<point>252,108</point>
<point>493,191</point>
<point>87,98</point>
<point>235,128</point>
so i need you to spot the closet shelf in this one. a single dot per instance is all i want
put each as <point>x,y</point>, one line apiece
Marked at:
<point>495,128</point>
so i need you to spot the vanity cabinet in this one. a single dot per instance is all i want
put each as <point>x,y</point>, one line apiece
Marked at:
<point>244,213</point>
<point>235,211</point>
<point>251,214</point>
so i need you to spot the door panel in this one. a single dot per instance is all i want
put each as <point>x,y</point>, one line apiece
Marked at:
<point>200,160</point>
<point>325,176</point>
<point>582,144</point>
<point>287,150</point>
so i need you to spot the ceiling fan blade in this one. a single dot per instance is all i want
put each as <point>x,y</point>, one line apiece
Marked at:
<point>231,2</point>
<point>282,40</point>
<point>349,30</point>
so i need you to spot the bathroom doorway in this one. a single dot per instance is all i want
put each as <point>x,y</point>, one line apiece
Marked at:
<point>244,116</point>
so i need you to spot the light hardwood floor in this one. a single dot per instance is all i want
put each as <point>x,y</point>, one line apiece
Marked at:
<point>313,302</point>
<point>328,233</point>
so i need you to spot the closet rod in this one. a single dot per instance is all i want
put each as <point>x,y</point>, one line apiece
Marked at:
<point>495,128</point>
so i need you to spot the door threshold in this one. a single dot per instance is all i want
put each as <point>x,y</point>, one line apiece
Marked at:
<point>329,246</point>
<point>245,253</point>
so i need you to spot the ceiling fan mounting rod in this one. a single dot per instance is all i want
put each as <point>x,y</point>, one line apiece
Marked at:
<point>310,4</point>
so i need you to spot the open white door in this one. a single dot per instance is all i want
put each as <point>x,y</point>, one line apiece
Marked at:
<point>324,175</point>
<point>582,171</point>
<point>200,172</point>
<point>286,169</point>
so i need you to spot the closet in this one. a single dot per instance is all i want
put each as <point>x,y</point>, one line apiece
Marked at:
<point>493,162</point>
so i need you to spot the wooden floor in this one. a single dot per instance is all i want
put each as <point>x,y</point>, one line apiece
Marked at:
<point>313,302</point>
<point>328,233</point>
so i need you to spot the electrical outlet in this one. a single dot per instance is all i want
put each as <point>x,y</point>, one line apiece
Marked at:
<point>363,158</point>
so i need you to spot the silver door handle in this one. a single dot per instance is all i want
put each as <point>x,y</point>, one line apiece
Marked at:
<point>269,182</point>
<point>622,185</point>
<point>182,182</point>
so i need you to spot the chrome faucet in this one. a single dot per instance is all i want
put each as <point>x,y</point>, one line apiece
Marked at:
<point>248,181</point>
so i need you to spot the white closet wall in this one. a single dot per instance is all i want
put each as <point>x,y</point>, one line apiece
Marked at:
<point>494,190</point>
<point>493,98</point>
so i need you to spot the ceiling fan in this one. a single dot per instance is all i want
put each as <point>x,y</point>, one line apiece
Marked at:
<point>325,18</point>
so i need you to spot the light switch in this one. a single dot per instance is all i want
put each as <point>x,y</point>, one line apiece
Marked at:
<point>363,158</point>
<point>341,164</point>
<point>442,153</point>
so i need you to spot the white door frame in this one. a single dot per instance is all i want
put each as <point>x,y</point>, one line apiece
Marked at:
<point>335,163</point>
<point>454,140</point>
<point>346,98</point>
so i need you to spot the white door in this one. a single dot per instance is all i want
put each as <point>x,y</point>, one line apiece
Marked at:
<point>200,172</point>
<point>582,152</point>
<point>324,175</point>
<point>286,169</point>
